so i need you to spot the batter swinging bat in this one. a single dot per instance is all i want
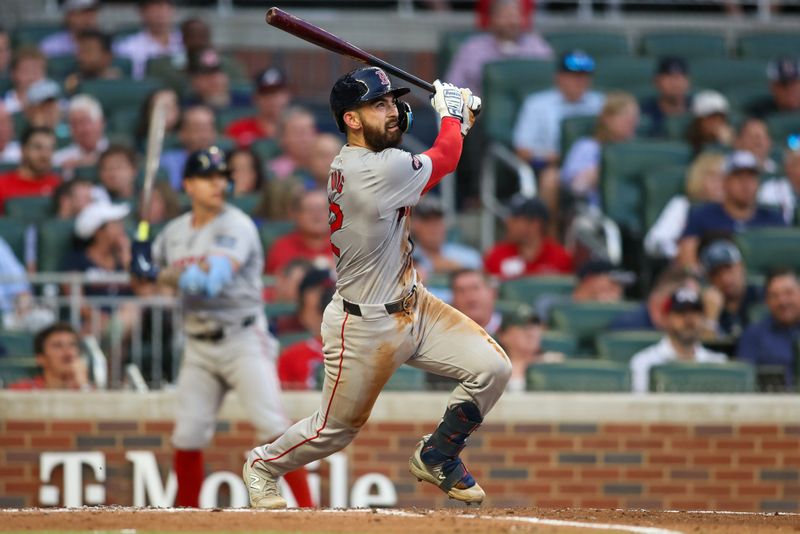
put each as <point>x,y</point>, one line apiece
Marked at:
<point>155,140</point>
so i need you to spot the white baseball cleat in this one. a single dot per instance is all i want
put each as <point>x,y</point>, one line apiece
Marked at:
<point>451,477</point>
<point>261,485</point>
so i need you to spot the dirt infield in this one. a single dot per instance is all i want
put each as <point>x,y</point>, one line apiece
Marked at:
<point>488,521</point>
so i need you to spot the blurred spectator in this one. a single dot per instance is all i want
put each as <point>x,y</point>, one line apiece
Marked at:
<point>71,197</point>
<point>5,54</point>
<point>598,281</point>
<point>9,147</point>
<point>737,212</point>
<point>210,84</point>
<point>520,335</point>
<point>311,237</point>
<point>79,16</point>
<point>298,362</point>
<point>710,127</point>
<point>651,316</point>
<point>10,290</point>
<point>95,60</point>
<point>683,327</point>
<point>197,130</point>
<point>116,171</point>
<point>173,115</point>
<point>270,98</point>
<point>195,35</point>
<point>527,250</point>
<point>164,204</point>
<point>784,85</point>
<point>158,38</point>
<point>296,133</point>
<point>34,176</point>
<point>672,85</point>
<point>506,39</point>
<point>752,136</point>
<point>704,181</point>
<point>433,253</point>
<point>773,341</point>
<point>28,67</point>
<point>246,171</point>
<point>57,349</point>
<point>475,295</point>
<point>728,300</point>
<point>537,133</point>
<point>43,108</point>
<point>325,147</point>
<point>87,126</point>
<point>616,124</point>
<point>784,192</point>
<point>287,281</point>
<point>277,199</point>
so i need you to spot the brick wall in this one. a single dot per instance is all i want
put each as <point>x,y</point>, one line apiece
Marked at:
<point>606,465</point>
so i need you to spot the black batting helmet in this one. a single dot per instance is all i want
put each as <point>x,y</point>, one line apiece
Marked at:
<point>206,163</point>
<point>359,86</point>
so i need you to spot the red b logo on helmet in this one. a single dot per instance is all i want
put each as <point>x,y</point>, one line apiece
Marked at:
<point>382,77</point>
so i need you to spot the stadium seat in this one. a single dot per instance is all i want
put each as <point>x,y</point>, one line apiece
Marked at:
<point>745,96</point>
<point>406,379</point>
<point>585,320</point>
<point>29,209</point>
<point>660,186</point>
<point>270,231</point>
<point>449,43</point>
<point>579,376</point>
<point>16,344</point>
<point>685,44</point>
<point>622,72</point>
<point>676,126</point>
<point>623,166</point>
<point>119,94</point>
<point>86,172</point>
<point>505,86</point>
<point>690,377</point>
<point>229,115</point>
<point>621,346</point>
<point>721,73</point>
<point>529,288</point>
<point>768,45</point>
<point>59,67</point>
<point>563,342</point>
<point>766,248</point>
<point>56,238</point>
<point>246,203</point>
<point>266,149</point>
<point>781,125</point>
<point>279,309</point>
<point>597,44</point>
<point>13,369</point>
<point>13,233</point>
<point>573,128</point>
<point>290,339</point>
<point>32,33</point>
<point>122,123</point>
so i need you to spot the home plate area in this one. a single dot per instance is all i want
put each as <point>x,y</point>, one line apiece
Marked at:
<point>389,521</point>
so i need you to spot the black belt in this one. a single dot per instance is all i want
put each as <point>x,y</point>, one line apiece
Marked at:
<point>404,304</point>
<point>218,334</point>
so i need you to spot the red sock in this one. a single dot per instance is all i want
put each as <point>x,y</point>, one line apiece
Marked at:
<point>298,483</point>
<point>188,467</point>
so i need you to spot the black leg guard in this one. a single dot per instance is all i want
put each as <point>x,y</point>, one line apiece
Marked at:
<point>450,437</point>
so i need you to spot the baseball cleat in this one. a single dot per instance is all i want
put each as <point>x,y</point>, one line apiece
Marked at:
<point>262,486</point>
<point>450,476</point>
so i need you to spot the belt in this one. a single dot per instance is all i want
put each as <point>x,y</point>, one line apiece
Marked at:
<point>218,334</point>
<point>404,304</point>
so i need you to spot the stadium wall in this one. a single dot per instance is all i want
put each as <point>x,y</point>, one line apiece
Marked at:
<point>605,451</point>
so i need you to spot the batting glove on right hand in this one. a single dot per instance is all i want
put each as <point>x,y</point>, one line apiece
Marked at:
<point>193,280</point>
<point>448,101</point>
<point>472,106</point>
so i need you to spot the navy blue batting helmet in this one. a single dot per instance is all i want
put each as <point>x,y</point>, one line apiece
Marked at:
<point>359,86</point>
<point>206,162</point>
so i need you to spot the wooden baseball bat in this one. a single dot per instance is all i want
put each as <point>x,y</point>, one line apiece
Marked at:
<point>313,34</point>
<point>155,140</point>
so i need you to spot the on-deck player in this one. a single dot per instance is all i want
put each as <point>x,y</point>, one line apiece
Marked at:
<point>381,317</point>
<point>215,254</point>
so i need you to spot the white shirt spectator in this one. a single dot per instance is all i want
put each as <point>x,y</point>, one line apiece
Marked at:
<point>12,102</point>
<point>11,153</point>
<point>779,192</point>
<point>59,44</point>
<point>538,127</point>
<point>662,239</point>
<point>141,46</point>
<point>75,151</point>
<point>659,354</point>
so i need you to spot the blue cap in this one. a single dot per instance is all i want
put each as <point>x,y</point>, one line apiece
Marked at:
<point>576,61</point>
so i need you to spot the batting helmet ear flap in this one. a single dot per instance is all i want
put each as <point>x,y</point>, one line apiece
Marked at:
<point>405,116</point>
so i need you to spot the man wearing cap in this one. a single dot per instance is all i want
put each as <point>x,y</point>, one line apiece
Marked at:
<point>79,15</point>
<point>43,107</point>
<point>210,84</point>
<point>683,326</point>
<point>784,85</point>
<point>34,176</point>
<point>672,84</point>
<point>158,38</point>
<point>527,250</point>
<point>710,127</point>
<point>737,212</point>
<point>270,99</point>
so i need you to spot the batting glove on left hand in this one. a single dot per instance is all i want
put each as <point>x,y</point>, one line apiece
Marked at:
<point>193,280</point>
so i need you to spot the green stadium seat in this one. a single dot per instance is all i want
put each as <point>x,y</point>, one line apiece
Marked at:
<point>745,96</point>
<point>13,233</point>
<point>573,128</point>
<point>16,344</point>
<point>623,166</point>
<point>563,342</point>
<point>56,238</point>
<point>579,376</point>
<point>676,126</point>
<point>622,72</point>
<point>505,86</point>
<point>529,288</point>
<point>280,309</point>
<point>227,116</point>
<point>13,369</point>
<point>660,186</point>
<point>689,377</point>
<point>406,379</point>
<point>449,43</point>
<point>768,45</point>
<point>119,94</point>
<point>29,209</point>
<point>59,67</point>
<point>596,44</point>
<point>246,203</point>
<point>685,44</point>
<point>31,34</point>
<point>721,73</point>
<point>781,125</point>
<point>621,346</point>
<point>766,248</point>
<point>290,339</point>
<point>586,320</point>
<point>270,231</point>
<point>266,149</point>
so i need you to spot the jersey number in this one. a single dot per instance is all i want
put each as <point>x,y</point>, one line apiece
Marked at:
<point>336,221</point>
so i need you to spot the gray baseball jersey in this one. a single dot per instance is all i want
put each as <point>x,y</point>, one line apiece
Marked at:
<point>370,222</point>
<point>230,234</point>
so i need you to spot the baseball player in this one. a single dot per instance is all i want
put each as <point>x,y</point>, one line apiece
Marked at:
<point>215,256</point>
<point>381,316</point>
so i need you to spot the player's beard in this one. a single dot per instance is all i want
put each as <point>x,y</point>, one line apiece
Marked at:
<point>379,139</point>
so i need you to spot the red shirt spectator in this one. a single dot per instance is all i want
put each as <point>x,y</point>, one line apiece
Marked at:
<point>298,363</point>
<point>311,239</point>
<point>270,100</point>
<point>293,246</point>
<point>28,384</point>
<point>35,176</point>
